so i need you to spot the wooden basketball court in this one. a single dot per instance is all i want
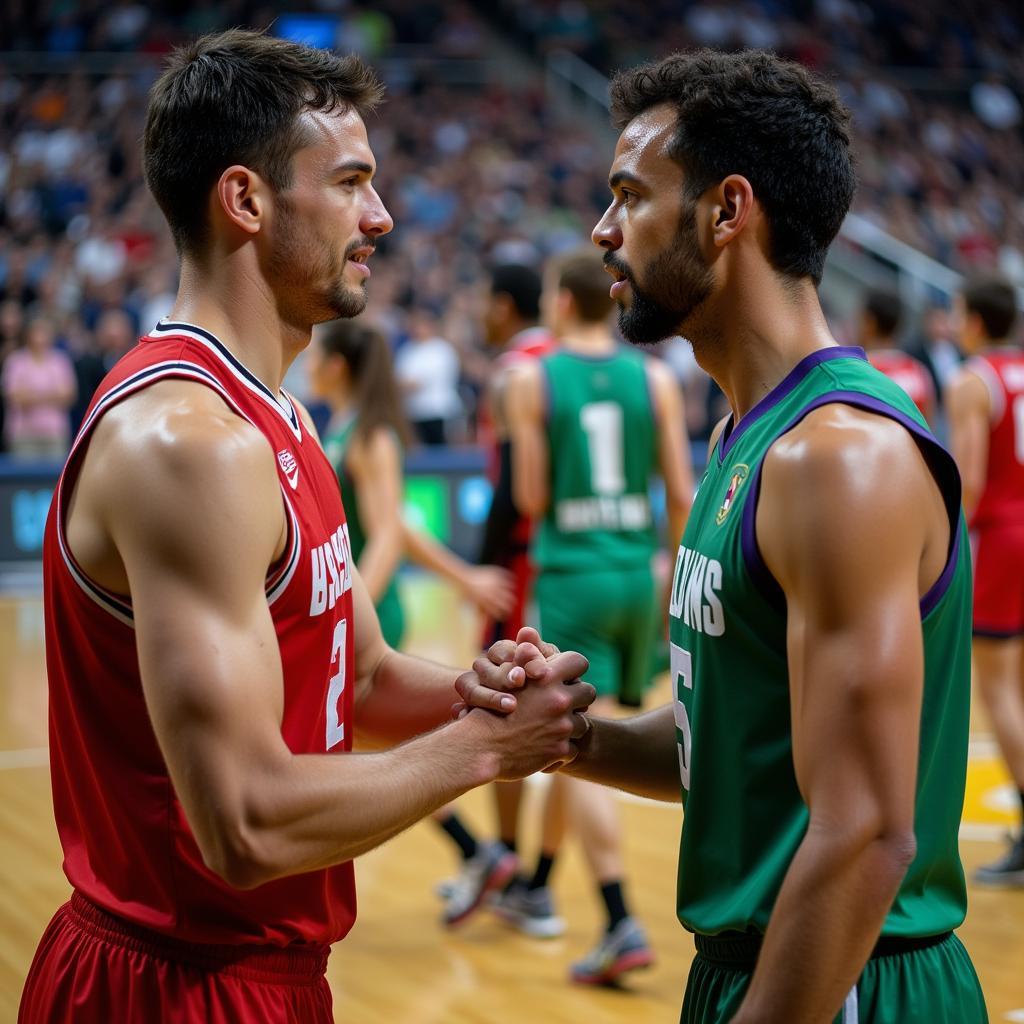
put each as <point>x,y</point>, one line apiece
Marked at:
<point>399,966</point>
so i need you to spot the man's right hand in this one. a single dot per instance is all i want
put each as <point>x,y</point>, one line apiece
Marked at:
<point>542,731</point>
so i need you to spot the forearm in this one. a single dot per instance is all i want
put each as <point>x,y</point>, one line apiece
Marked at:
<point>430,554</point>
<point>380,560</point>
<point>825,923</point>
<point>635,754</point>
<point>314,811</point>
<point>405,697</point>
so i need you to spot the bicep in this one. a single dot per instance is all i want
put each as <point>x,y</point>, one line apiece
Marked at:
<point>848,557</point>
<point>195,540</point>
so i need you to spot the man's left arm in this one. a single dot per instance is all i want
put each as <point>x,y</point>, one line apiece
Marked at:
<point>851,555</point>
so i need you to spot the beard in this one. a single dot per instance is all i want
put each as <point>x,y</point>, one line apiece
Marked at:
<point>676,284</point>
<point>307,264</point>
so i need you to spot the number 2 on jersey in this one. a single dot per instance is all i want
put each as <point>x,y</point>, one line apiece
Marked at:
<point>336,686</point>
<point>602,423</point>
<point>680,665</point>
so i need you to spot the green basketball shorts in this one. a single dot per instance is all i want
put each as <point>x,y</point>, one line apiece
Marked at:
<point>933,984</point>
<point>610,616</point>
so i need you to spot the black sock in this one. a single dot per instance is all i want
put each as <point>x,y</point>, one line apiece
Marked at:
<point>615,903</point>
<point>510,843</point>
<point>540,876</point>
<point>462,838</point>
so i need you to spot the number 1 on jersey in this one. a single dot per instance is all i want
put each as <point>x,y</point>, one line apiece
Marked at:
<point>602,423</point>
<point>336,686</point>
<point>680,665</point>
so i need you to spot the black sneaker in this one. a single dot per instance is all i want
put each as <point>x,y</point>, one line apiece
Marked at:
<point>1007,871</point>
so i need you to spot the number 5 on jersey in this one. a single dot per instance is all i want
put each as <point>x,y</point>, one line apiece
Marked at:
<point>680,666</point>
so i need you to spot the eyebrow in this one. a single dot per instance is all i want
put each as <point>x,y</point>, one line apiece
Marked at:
<point>353,165</point>
<point>623,176</point>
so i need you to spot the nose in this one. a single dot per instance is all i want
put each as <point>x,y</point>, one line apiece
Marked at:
<point>375,220</point>
<point>606,234</point>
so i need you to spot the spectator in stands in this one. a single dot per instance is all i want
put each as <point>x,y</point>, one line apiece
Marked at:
<point>38,385</point>
<point>878,327</point>
<point>427,368</point>
<point>114,335</point>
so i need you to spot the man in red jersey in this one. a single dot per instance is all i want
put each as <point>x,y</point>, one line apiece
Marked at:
<point>986,419</point>
<point>880,318</point>
<point>209,640</point>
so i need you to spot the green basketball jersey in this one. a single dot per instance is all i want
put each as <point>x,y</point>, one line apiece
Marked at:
<point>744,816</point>
<point>336,446</point>
<point>602,441</point>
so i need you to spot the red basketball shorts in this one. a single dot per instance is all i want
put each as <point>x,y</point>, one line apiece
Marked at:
<point>92,968</point>
<point>998,550</point>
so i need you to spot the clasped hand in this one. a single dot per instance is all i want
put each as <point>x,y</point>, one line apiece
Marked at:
<point>537,690</point>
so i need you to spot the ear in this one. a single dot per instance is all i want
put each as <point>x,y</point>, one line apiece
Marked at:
<point>240,193</point>
<point>733,206</point>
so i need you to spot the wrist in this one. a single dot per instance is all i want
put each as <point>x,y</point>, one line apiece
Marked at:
<point>476,737</point>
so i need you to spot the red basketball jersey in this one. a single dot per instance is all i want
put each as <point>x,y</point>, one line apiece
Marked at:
<point>127,844</point>
<point>1002,501</point>
<point>910,374</point>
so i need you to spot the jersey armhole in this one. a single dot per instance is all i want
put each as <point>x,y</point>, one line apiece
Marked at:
<point>119,605</point>
<point>940,464</point>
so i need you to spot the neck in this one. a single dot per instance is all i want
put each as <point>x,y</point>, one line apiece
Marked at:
<point>591,339</point>
<point>234,302</point>
<point>749,338</point>
<point>341,402</point>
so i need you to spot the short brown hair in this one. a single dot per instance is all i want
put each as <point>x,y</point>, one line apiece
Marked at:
<point>994,299</point>
<point>581,273</point>
<point>234,98</point>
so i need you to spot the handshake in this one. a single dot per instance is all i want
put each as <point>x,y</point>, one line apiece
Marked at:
<point>525,700</point>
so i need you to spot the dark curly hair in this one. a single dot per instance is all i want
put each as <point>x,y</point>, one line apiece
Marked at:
<point>768,119</point>
<point>235,97</point>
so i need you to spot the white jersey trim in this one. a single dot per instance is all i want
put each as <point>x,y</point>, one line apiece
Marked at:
<point>118,605</point>
<point>283,405</point>
<point>851,1011</point>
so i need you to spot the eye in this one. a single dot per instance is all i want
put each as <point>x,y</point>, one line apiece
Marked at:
<point>626,196</point>
<point>349,182</point>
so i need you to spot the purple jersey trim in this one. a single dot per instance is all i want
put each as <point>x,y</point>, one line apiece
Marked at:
<point>729,436</point>
<point>762,575</point>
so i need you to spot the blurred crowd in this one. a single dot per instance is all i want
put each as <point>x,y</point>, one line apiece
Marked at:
<point>476,169</point>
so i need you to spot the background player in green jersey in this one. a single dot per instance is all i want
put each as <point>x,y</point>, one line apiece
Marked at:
<point>821,602</point>
<point>592,423</point>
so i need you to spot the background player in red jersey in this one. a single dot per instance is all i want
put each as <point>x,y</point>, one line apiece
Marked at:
<point>986,418</point>
<point>879,323</point>
<point>200,590</point>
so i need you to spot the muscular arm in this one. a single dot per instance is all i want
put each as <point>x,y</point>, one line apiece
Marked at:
<point>853,556</point>
<point>193,505</point>
<point>969,405</point>
<point>673,449</point>
<point>530,466</point>
<point>376,467</point>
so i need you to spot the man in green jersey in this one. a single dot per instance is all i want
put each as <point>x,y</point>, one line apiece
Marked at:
<point>593,421</point>
<point>821,601</point>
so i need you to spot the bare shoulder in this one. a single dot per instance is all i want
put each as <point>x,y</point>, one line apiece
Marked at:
<point>845,480</point>
<point>967,389</point>
<point>522,383</point>
<point>380,450</point>
<point>176,451</point>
